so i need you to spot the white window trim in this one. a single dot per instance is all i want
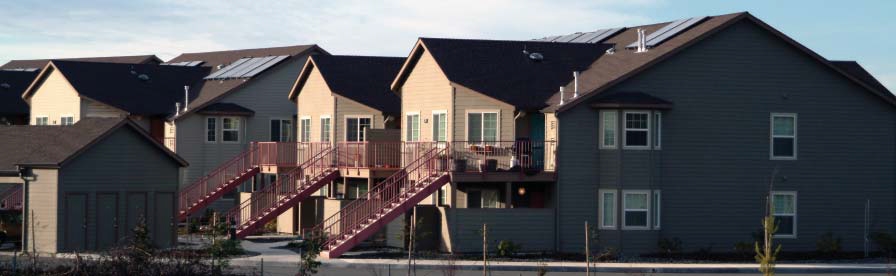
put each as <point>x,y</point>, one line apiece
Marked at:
<point>498,203</point>
<point>658,129</point>
<point>625,130</point>
<point>482,111</point>
<point>239,130</point>
<point>796,213</point>
<point>42,117</point>
<point>408,125</point>
<point>622,205</point>
<point>345,125</point>
<point>615,212</point>
<point>434,126</point>
<point>217,130</point>
<point>329,127</point>
<point>772,136</point>
<point>603,144</point>
<point>67,116</point>
<point>659,209</point>
<point>288,136</point>
<point>302,128</point>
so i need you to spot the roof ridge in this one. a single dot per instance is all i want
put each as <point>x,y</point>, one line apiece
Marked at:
<point>248,49</point>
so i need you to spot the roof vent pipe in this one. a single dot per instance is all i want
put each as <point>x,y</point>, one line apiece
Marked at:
<point>561,95</point>
<point>186,97</point>
<point>642,41</point>
<point>575,78</point>
<point>176,109</point>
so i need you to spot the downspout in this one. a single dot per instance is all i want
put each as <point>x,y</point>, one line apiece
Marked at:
<point>557,212</point>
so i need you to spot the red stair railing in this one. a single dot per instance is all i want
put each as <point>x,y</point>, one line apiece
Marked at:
<point>12,198</point>
<point>295,185</point>
<point>218,182</point>
<point>427,161</point>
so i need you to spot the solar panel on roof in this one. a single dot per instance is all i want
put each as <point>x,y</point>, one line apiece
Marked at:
<point>273,61</point>
<point>246,67</point>
<point>607,34</point>
<point>220,72</point>
<point>243,68</point>
<point>548,39</point>
<point>568,38</point>
<point>669,31</point>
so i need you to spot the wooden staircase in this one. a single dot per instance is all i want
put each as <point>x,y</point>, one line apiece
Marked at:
<point>218,182</point>
<point>289,189</point>
<point>424,174</point>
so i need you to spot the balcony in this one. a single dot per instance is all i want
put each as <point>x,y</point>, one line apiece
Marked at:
<point>503,160</point>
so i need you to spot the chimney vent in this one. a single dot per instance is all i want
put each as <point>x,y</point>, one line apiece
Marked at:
<point>561,95</point>
<point>176,109</point>
<point>642,41</point>
<point>186,97</point>
<point>575,78</point>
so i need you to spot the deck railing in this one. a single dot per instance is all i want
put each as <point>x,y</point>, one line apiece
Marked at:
<point>171,143</point>
<point>288,154</point>
<point>369,154</point>
<point>220,177</point>
<point>503,156</point>
<point>11,199</point>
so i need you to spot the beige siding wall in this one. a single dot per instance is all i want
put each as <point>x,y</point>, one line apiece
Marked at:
<point>316,100</point>
<point>467,100</point>
<point>346,107</point>
<point>55,98</point>
<point>426,89</point>
<point>44,204</point>
<point>97,109</point>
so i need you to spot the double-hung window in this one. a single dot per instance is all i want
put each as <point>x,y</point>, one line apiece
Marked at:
<point>325,128</point>
<point>306,129</point>
<point>608,209</point>
<point>440,126</point>
<point>635,209</point>
<point>42,121</point>
<point>211,129</point>
<point>230,129</point>
<point>280,130</point>
<point>482,127</point>
<point>413,127</point>
<point>356,128</point>
<point>608,125</point>
<point>485,198</point>
<point>784,210</point>
<point>637,130</point>
<point>783,138</point>
<point>67,120</point>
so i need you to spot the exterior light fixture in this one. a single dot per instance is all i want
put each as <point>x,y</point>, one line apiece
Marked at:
<point>521,191</point>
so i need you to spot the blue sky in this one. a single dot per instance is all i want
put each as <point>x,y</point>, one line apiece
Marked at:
<point>852,30</point>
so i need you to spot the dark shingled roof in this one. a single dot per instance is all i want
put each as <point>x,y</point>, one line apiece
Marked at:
<point>53,145</point>
<point>363,79</point>
<point>40,63</point>
<point>211,90</point>
<point>501,70</point>
<point>119,85</point>
<point>857,71</point>
<point>12,85</point>
<point>226,109</point>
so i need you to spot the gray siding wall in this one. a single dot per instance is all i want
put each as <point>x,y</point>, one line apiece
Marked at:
<point>122,163</point>
<point>530,228</point>
<point>714,166</point>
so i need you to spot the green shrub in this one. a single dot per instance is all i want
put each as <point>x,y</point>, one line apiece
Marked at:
<point>828,244</point>
<point>507,248</point>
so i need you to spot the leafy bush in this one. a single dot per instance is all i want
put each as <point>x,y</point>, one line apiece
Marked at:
<point>828,244</point>
<point>507,248</point>
<point>669,246</point>
<point>312,245</point>
<point>271,226</point>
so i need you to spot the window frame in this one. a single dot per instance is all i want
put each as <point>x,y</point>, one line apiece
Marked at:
<point>795,214</point>
<point>346,118</point>
<point>238,129</point>
<point>656,205</point>
<point>280,125</point>
<point>326,132</point>
<point>624,210</point>
<point>63,117</point>
<point>625,130</point>
<point>657,130</point>
<point>435,125</point>
<point>497,113</point>
<point>603,129</point>
<point>614,212</point>
<point>216,124</point>
<point>772,136</point>
<point>305,128</point>
<point>410,131</point>
<point>44,117</point>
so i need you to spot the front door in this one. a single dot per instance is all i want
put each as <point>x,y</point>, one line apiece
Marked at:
<point>75,222</point>
<point>163,224</point>
<point>106,220</point>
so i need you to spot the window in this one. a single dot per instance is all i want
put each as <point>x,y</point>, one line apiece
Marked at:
<point>325,129</point>
<point>230,129</point>
<point>482,127</point>
<point>443,196</point>
<point>439,126</point>
<point>783,144</point>
<point>356,128</point>
<point>637,130</point>
<point>657,129</point>
<point>280,130</point>
<point>655,209</point>
<point>41,121</point>
<point>608,209</point>
<point>635,209</point>
<point>608,129</point>
<point>67,120</point>
<point>482,199</point>
<point>211,129</point>
<point>413,127</point>
<point>306,129</point>
<point>785,213</point>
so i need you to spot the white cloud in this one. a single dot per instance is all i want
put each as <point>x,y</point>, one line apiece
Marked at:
<point>37,30</point>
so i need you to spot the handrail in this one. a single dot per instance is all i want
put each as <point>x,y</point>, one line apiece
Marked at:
<point>12,198</point>
<point>220,176</point>
<point>425,164</point>
<point>367,154</point>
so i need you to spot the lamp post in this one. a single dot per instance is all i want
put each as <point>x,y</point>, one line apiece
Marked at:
<point>27,175</point>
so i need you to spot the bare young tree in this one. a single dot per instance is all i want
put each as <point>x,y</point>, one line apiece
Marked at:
<point>765,254</point>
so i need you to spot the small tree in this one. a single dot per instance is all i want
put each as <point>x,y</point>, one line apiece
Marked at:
<point>765,255</point>
<point>311,248</point>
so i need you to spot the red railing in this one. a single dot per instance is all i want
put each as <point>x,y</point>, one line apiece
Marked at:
<point>212,185</point>
<point>369,154</point>
<point>429,160</point>
<point>288,154</point>
<point>503,156</point>
<point>298,182</point>
<point>12,198</point>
